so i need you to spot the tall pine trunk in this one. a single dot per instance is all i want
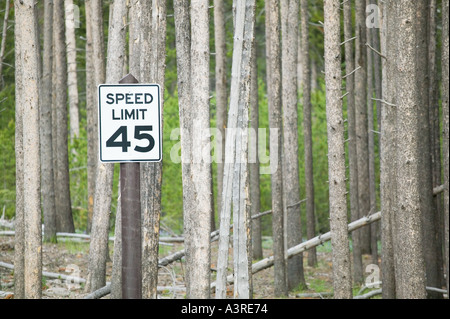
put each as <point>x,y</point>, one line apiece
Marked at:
<point>48,185</point>
<point>152,70</point>
<point>445,112</point>
<point>64,219</point>
<point>352,143</point>
<point>307,128</point>
<point>30,75</point>
<point>342,279</point>
<point>276,141</point>
<point>410,265</point>
<point>388,182</point>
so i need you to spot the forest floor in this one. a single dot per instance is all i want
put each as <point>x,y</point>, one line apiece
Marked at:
<point>70,258</point>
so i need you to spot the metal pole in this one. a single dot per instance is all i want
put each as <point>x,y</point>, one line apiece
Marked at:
<point>131,224</point>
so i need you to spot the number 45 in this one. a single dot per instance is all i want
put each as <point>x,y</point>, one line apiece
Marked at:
<point>125,144</point>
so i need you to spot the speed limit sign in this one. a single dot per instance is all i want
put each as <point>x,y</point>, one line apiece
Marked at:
<point>129,123</point>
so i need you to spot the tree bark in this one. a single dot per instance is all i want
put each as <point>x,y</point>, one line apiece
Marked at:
<point>198,254</point>
<point>276,141</point>
<point>362,129</point>
<point>426,151</point>
<point>255,192</point>
<point>388,183</point>
<point>72,81</point>
<point>371,145</point>
<point>64,219</point>
<point>445,112</point>
<point>91,118</point>
<point>30,75</point>
<point>152,70</point>
<point>410,266</point>
<point>290,16</point>
<point>98,250</point>
<point>307,129</point>
<point>3,43</point>
<point>183,46</point>
<point>48,186</point>
<point>342,281</point>
<point>352,147</point>
<point>221,89</point>
<point>19,240</point>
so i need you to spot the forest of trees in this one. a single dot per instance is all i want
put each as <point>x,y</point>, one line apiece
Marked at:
<point>291,122</point>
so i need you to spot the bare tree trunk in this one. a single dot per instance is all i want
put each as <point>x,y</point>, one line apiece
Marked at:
<point>183,46</point>
<point>352,143</point>
<point>255,192</point>
<point>408,223</point>
<point>152,70</point>
<point>445,87</point>
<point>98,252</point>
<point>276,142</point>
<point>48,185</point>
<point>388,142</point>
<point>91,118</point>
<point>426,149</point>
<point>64,220</point>
<point>290,16</point>
<point>435,143</point>
<point>116,275</point>
<point>221,88</point>
<point>30,76</point>
<point>72,81</point>
<point>342,280</point>
<point>3,43</point>
<point>362,123</point>
<point>371,135</point>
<point>307,129</point>
<point>19,240</point>
<point>199,253</point>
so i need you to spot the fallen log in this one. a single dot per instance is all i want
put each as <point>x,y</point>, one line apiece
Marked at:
<point>314,242</point>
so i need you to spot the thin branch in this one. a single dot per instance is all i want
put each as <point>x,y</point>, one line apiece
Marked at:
<point>374,50</point>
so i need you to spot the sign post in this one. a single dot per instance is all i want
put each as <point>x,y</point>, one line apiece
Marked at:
<point>130,110</point>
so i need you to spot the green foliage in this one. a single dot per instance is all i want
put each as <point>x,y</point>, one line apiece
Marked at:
<point>172,194</point>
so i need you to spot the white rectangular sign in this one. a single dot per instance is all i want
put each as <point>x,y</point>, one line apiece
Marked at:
<point>129,123</point>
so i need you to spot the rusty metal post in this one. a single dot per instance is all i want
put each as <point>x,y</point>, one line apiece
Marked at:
<point>131,224</point>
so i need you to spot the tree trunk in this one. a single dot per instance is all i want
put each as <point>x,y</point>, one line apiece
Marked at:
<point>388,183</point>
<point>307,129</point>
<point>48,186</point>
<point>276,141</point>
<point>371,136</point>
<point>290,16</point>
<point>342,280</point>
<point>72,81</point>
<point>30,65</point>
<point>98,249</point>
<point>362,123</point>
<point>198,253</point>
<point>408,220</point>
<point>255,192</point>
<point>91,118</point>
<point>64,220</point>
<point>445,86</point>
<point>426,150</point>
<point>221,89</point>
<point>3,43</point>
<point>352,143</point>
<point>116,275</point>
<point>152,70</point>
<point>19,240</point>
<point>183,46</point>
